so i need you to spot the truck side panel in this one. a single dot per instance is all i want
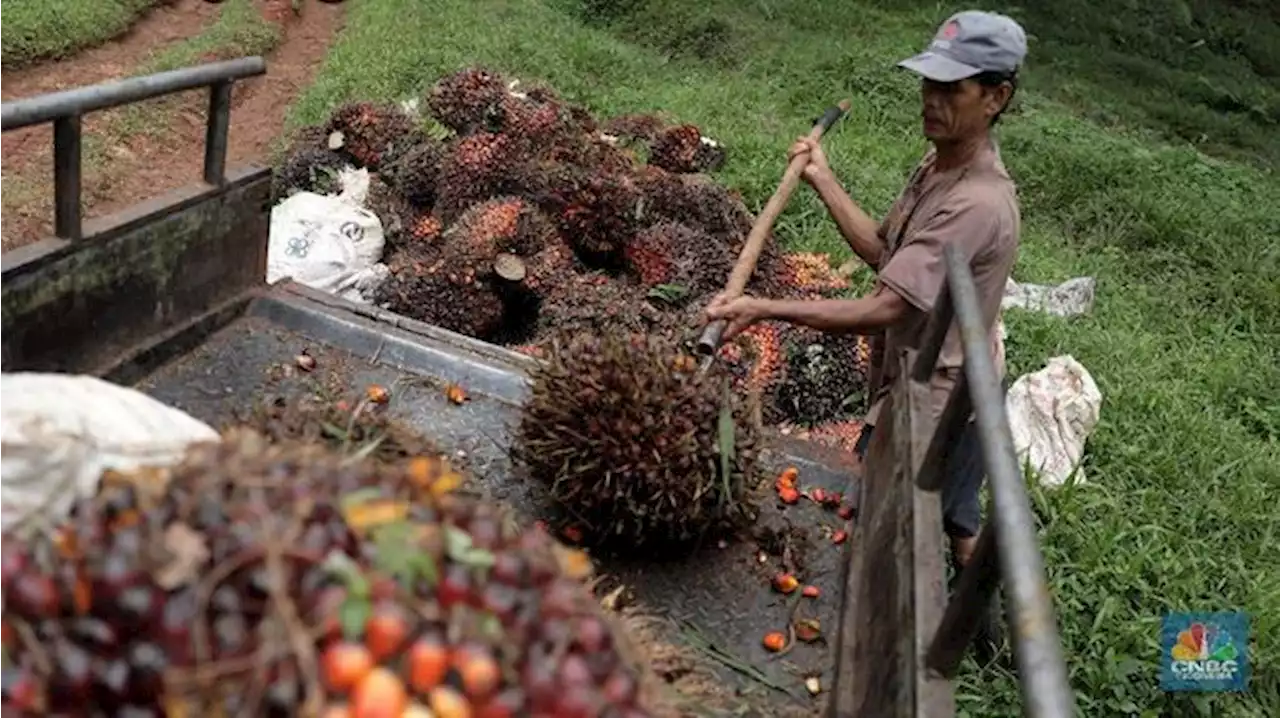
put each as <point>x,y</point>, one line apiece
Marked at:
<point>79,306</point>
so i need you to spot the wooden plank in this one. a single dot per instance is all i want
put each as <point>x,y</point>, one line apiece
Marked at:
<point>895,589</point>
<point>933,693</point>
<point>974,592</point>
<point>866,672</point>
<point>951,423</point>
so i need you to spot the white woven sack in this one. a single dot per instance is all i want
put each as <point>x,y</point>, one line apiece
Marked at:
<point>62,431</point>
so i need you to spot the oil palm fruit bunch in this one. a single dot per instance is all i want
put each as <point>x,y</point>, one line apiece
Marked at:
<point>597,214</point>
<point>283,580</point>
<point>336,423</point>
<point>810,272</point>
<point>503,224</point>
<point>475,168</point>
<point>370,132</point>
<point>639,127</point>
<point>635,443</point>
<point>595,302</point>
<point>757,357</point>
<point>307,169</point>
<point>592,152</point>
<point>823,379</point>
<point>392,209</point>
<point>551,266</point>
<point>695,201</point>
<point>683,149</point>
<point>416,172</point>
<point>425,228</point>
<point>651,255</point>
<point>469,100</point>
<point>539,123</point>
<point>424,285</point>
<point>669,253</point>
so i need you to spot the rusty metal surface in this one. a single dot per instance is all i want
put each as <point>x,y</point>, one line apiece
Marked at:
<point>722,591</point>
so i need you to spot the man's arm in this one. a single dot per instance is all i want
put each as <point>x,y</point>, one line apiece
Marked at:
<point>859,229</point>
<point>865,315</point>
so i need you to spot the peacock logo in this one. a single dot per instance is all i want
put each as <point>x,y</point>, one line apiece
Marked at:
<point>1201,642</point>
<point>1204,651</point>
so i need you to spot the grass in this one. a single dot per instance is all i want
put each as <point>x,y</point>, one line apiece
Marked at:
<point>46,29</point>
<point>239,31</point>
<point>1145,178</point>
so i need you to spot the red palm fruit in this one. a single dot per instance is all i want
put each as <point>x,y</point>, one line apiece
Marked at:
<point>427,663</point>
<point>386,630</point>
<point>344,665</point>
<point>478,671</point>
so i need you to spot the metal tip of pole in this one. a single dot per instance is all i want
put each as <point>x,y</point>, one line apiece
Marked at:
<point>707,361</point>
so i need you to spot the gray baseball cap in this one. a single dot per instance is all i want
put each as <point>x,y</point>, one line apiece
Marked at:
<point>970,43</point>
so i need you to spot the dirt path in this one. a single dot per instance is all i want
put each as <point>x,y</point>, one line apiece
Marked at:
<point>123,168</point>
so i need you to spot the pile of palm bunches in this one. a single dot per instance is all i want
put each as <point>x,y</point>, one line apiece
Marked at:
<point>636,444</point>
<point>278,580</point>
<point>622,219</point>
<point>821,379</point>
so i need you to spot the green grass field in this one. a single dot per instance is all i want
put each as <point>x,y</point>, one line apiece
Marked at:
<point>1184,468</point>
<point>43,29</point>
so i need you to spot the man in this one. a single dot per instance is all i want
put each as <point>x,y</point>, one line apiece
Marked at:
<point>960,194</point>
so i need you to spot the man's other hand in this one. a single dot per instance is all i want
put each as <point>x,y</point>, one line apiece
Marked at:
<point>739,312</point>
<point>817,167</point>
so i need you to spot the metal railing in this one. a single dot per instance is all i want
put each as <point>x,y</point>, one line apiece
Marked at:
<point>1007,550</point>
<point>66,108</point>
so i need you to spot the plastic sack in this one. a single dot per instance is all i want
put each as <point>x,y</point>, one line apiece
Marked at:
<point>354,184</point>
<point>328,243</point>
<point>1052,412</point>
<point>1072,297</point>
<point>61,431</point>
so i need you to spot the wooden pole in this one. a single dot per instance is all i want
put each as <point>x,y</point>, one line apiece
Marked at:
<point>712,334</point>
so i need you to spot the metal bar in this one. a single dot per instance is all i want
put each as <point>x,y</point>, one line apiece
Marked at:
<point>215,136</point>
<point>1042,673</point>
<point>66,177</point>
<point>935,334</point>
<point>82,100</point>
<point>955,415</point>
<point>974,591</point>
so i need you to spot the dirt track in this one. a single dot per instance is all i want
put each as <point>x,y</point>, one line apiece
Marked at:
<point>123,168</point>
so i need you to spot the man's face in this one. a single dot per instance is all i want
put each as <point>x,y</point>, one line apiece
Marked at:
<point>953,111</point>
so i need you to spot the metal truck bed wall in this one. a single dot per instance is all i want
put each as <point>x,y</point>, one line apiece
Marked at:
<point>77,306</point>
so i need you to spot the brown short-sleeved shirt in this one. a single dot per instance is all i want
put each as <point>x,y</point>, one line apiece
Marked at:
<point>975,207</point>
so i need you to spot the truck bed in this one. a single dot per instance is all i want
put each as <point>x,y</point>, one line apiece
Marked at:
<point>217,372</point>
